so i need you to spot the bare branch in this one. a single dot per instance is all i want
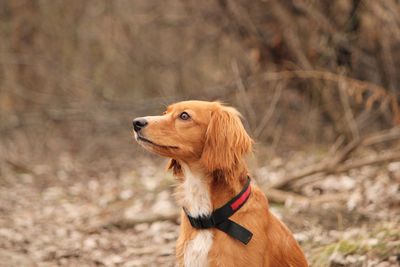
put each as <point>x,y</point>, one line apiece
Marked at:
<point>270,111</point>
<point>333,164</point>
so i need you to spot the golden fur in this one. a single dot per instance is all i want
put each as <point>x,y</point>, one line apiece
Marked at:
<point>213,142</point>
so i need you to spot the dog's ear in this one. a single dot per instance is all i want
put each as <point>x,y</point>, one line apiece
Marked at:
<point>176,168</point>
<point>226,141</point>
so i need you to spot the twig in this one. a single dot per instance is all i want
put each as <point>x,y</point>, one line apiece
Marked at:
<point>324,75</point>
<point>329,198</point>
<point>268,114</point>
<point>243,95</point>
<point>390,157</point>
<point>313,169</point>
<point>343,154</point>
<point>280,196</point>
<point>324,167</point>
<point>332,165</point>
<point>389,67</point>
<point>335,147</point>
<point>348,113</point>
<point>384,136</point>
<point>18,166</point>
<point>147,218</point>
<point>152,249</point>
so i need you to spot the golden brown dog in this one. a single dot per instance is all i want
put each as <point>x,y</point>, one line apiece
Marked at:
<point>206,143</point>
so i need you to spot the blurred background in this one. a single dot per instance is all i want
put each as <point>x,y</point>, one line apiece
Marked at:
<point>317,83</point>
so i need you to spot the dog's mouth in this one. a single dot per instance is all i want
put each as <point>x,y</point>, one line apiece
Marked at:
<point>140,138</point>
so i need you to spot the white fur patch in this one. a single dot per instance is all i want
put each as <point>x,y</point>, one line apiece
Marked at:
<point>196,199</point>
<point>196,252</point>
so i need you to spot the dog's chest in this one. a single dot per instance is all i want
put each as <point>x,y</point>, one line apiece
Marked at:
<point>196,250</point>
<point>196,199</point>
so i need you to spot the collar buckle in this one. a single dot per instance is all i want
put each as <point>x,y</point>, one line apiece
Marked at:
<point>201,222</point>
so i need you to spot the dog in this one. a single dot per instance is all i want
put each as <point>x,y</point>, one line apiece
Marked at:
<point>225,219</point>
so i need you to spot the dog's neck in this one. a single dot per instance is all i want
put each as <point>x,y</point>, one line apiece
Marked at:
<point>201,192</point>
<point>194,193</point>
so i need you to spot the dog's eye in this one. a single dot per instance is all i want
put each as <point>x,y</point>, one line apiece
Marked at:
<point>184,116</point>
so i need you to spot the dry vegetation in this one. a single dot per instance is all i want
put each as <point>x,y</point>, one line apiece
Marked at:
<point>317,81</point>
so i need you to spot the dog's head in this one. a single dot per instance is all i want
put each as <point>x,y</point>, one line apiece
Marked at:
<point>196,131</point>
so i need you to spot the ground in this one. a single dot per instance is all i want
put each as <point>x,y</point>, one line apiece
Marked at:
<point>105,217</point>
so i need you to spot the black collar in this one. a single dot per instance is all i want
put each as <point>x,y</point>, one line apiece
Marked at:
<point>219,218</point>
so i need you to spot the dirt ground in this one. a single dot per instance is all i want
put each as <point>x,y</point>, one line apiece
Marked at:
<point>71,216</point>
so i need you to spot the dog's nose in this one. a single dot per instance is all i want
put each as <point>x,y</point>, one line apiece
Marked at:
<point>139,123</point>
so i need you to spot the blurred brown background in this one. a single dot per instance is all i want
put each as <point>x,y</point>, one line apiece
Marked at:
<point>315,80</point>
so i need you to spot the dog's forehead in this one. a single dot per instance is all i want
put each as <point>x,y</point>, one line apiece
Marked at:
<point>192,105</point>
